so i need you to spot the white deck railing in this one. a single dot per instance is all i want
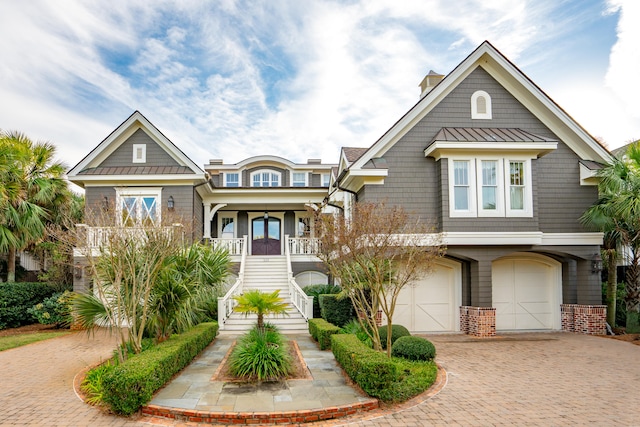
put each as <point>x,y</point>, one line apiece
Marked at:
<point>96,237</point>
<point>302,245</point>
<point>300,300</point>
<point>227,303</point>
<point>234,246</point>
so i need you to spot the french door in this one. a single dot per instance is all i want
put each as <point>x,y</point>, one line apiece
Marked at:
<point>265,236</point>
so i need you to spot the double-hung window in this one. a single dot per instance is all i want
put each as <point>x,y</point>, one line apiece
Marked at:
<point>490,187</point>
<point>299,179</point>
<point>232,179</point>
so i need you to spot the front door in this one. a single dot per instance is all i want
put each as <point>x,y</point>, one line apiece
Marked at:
<point>266,236</point>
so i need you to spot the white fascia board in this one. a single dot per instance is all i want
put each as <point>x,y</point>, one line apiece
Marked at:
<point>123,180</point>
<point>368,172</point>
<point>121,134</point>
<point>555,239</point>
<point>588,176</point>
<point>493,238</point>
<point>265,198</point>
<point>440,149</point>
<point>554,117</point>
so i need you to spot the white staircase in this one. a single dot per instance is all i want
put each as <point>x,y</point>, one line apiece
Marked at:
<point>267,273</point>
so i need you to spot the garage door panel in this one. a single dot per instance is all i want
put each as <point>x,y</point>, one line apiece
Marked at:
<point>524,293</point>
<point>430,305</point>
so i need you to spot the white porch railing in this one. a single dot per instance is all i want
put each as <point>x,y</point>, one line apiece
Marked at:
<point>96,237</point>
<point>303,245</point>
<point>234,246</point>
<point>300,300</point>
<point>227,303</point>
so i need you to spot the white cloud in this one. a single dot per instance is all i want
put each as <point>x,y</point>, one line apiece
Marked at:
<point>234,79</point>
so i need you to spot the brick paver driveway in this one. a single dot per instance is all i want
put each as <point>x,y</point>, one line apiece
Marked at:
<point>541,379</point>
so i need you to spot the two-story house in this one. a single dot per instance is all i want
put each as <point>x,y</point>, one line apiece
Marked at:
<point>501,168</point>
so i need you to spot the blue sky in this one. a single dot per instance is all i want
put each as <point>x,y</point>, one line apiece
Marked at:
<point>298,79</point>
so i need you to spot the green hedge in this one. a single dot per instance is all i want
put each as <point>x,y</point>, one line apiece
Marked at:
<point>372,370</point>
<point>321,331</point>
<point>390,380</point>
<point>17,298</point>
<point>397,331</point>
<point>315,291</point>
<point>131,384</point>
<point>336,311</point>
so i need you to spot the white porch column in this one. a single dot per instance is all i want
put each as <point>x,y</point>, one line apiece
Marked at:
<point>209,211</point>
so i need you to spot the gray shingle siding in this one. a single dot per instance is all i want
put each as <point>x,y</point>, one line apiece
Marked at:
<point>155,155</point>
<point>421,184</point>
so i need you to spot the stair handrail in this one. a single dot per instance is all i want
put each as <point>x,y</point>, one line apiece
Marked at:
<point>301,301</point>
<point>227,303</point>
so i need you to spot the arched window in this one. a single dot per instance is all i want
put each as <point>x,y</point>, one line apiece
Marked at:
<point>265,178</point>
<point>481,105</point>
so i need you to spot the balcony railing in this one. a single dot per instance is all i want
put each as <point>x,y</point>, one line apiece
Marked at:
<point>234,246</point>
<point>96,237</point>
<point>303,245</point>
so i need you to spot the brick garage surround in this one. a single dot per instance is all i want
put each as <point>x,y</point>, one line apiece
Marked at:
<point>262,418</point>
<point>478,321</point>
<point>584,319</point>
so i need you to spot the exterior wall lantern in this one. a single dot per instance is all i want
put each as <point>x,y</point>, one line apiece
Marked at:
<point>77,271</point>
<point>596,264</point>
<point>170,203</point>
<point>105,203</point>
<point>266,215</point>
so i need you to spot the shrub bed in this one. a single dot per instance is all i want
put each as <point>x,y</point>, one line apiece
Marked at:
<point>390,380</point>
<point>321,331</point>
<point>336,311</point>
<point>131,384</point>
<point>17,298</point>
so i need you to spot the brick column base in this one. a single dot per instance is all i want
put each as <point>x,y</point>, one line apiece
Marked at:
<point>478,321</point>
<point>584,319</point>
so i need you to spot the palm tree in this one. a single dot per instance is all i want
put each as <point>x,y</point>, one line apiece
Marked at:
<point>617,213</point>
<point>260,303</point>
<point>32,186</point>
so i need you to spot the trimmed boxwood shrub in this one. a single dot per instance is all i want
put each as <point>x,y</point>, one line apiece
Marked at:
<point>315,291</point>
<point>391,380</point>
<point>131,384</point>
<point>397,331</point>
<point>413,348</point>
<point>321,331</point>
<point>336,311</point>
<point>17,298</point>
<point>372,370</point>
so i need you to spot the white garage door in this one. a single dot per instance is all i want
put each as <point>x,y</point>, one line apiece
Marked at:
<point>527,292</point>
<point>431,305</point>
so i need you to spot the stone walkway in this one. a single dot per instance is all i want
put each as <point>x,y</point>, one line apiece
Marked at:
<point>539,379</point>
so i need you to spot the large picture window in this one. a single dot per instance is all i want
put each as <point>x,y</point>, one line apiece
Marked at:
<point>490,187</point>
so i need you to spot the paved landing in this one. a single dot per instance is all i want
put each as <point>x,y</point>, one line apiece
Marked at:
<point>193,388</point>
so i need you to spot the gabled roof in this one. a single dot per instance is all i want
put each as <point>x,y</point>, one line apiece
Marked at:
<point>90,165</point>
<point>514,81</point>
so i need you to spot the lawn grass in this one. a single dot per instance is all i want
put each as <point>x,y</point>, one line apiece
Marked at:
<point>13,341</point>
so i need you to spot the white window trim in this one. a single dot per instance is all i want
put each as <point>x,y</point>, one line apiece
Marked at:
<point>503,194</point>
<point>138,192</point>
<point>500,203</point>
<point>261,171</point>
<point>471,212</point>
<point>224,178</point>
<point>228,214</point>
<point>528,189</point>
<point>306,177</point>
<point>474,106</point>
<point>143,152</point>
<point>322,179</point>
